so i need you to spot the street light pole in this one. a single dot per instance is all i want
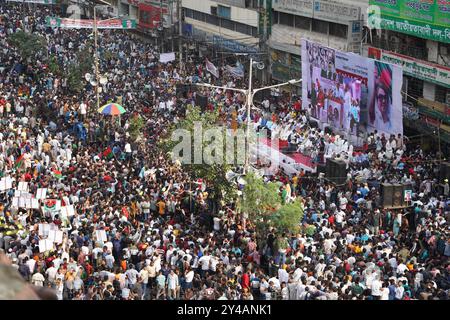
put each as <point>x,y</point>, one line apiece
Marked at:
<point>250,93</point>
<point>249,105</point>
<point>96,58</point>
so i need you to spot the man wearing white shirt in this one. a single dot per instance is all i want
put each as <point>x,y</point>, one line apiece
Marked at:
<point>376,289</point>
<point>51,273</point>
<point>283,275</point>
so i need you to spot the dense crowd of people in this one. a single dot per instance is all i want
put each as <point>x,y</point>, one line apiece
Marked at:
<point>141,231</point>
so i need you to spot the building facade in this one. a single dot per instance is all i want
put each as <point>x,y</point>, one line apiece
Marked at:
<point>337,24</point>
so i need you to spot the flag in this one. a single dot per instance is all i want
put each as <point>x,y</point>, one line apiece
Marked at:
<point>108,154</point>
<point>57,174</point>
<point>237,72</point>
<point>212,68</point>
<point>19,162</point>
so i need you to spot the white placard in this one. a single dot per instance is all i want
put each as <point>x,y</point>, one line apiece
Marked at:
<point>15,203</point>
<point>68,211</point>
<point>51,235</point>
<point>45,245</point>
<point>34,203</point>
<point>22,203</point>
<point>166,57</point>
<point>28,204</point>
<point>17,193</point>
<point>101,235</point>
<point>26,195</point>
<point>58,237</point>
<point>5,183</point>
<point>23,186</point>
<point>44,229</point>
<point>41,193</point>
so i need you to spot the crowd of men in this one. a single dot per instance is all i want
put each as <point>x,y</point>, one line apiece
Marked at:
<point>161,238</point>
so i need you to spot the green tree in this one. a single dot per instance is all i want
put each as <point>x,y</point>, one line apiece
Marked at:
<point>29,45</point>
<point>260,201</point>
<point>288,217</point>
<point>76,70</point>
<point>213,174</point>
<point>136,125</point>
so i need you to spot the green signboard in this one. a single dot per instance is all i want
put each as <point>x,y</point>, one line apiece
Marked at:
<point>429,19</point>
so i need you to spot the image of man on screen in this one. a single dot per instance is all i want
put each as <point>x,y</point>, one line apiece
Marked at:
<point>380,113</point>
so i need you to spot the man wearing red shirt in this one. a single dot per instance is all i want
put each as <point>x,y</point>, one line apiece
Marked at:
<point>245,281</point>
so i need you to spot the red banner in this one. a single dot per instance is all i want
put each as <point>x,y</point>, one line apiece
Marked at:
<point>150,16</point>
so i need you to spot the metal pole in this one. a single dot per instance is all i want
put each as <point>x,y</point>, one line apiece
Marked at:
<point>249,105</point>
<point>96,58</point>
<point>180,32</point>
<point>439,140</point>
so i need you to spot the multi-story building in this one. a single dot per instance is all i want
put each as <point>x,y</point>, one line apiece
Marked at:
<point>338,24</point>
<point>227,25</point>
<point>418,39</point>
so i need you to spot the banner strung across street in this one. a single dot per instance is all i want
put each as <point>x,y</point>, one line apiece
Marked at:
<point>34,1</point>
<point>351,93</point>
<point>89,24</point>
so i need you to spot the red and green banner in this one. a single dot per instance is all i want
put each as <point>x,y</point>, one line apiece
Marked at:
<point>66,23</point>
<point>57,174</point>
<point>108,154</point>
<point>429,19</point>
<point>19,162</point>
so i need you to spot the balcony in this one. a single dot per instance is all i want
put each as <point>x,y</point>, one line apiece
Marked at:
<point>401,48</point>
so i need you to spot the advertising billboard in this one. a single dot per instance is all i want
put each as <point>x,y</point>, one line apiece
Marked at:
<point>429,19</point>
<point>351,93</point>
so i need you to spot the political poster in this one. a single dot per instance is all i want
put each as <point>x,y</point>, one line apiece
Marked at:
<point>351,93</point>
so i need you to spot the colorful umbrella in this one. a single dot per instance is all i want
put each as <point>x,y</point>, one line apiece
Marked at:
<point>112,109</point>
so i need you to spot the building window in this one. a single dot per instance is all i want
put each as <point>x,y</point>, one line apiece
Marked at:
<point>254,32</point>
<point>303,23</point>
<point>200,16</point>
<point>319,26</point>
<point>144,17</point>
<point>188,13</point>
<point>275,17</point>
<point>212,20</point>
<point>286,19</point>
<point>338,30</point>
<point>227,24</point>
<point>243,28</point>
<point>415,89</point>
<point>441,94</point>
<point>224,12</point>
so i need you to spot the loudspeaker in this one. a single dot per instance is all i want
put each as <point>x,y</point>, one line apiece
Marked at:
<point>201,101</point>
<point>393,195</point>
<point>182,90</point>
<point>397,197</point>
<point>335,171</point>
<point>387,192</point>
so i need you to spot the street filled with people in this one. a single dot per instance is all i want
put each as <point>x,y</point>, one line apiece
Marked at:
<point>142,229</point>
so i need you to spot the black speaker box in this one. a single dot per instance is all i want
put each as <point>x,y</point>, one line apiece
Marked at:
<point>336,171</point>
<point>387,193</point>
<point>201,101</point>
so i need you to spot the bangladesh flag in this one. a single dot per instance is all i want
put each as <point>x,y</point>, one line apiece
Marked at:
<point>57,174</point>
<point>19,162</point>
<point>108,154</point>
